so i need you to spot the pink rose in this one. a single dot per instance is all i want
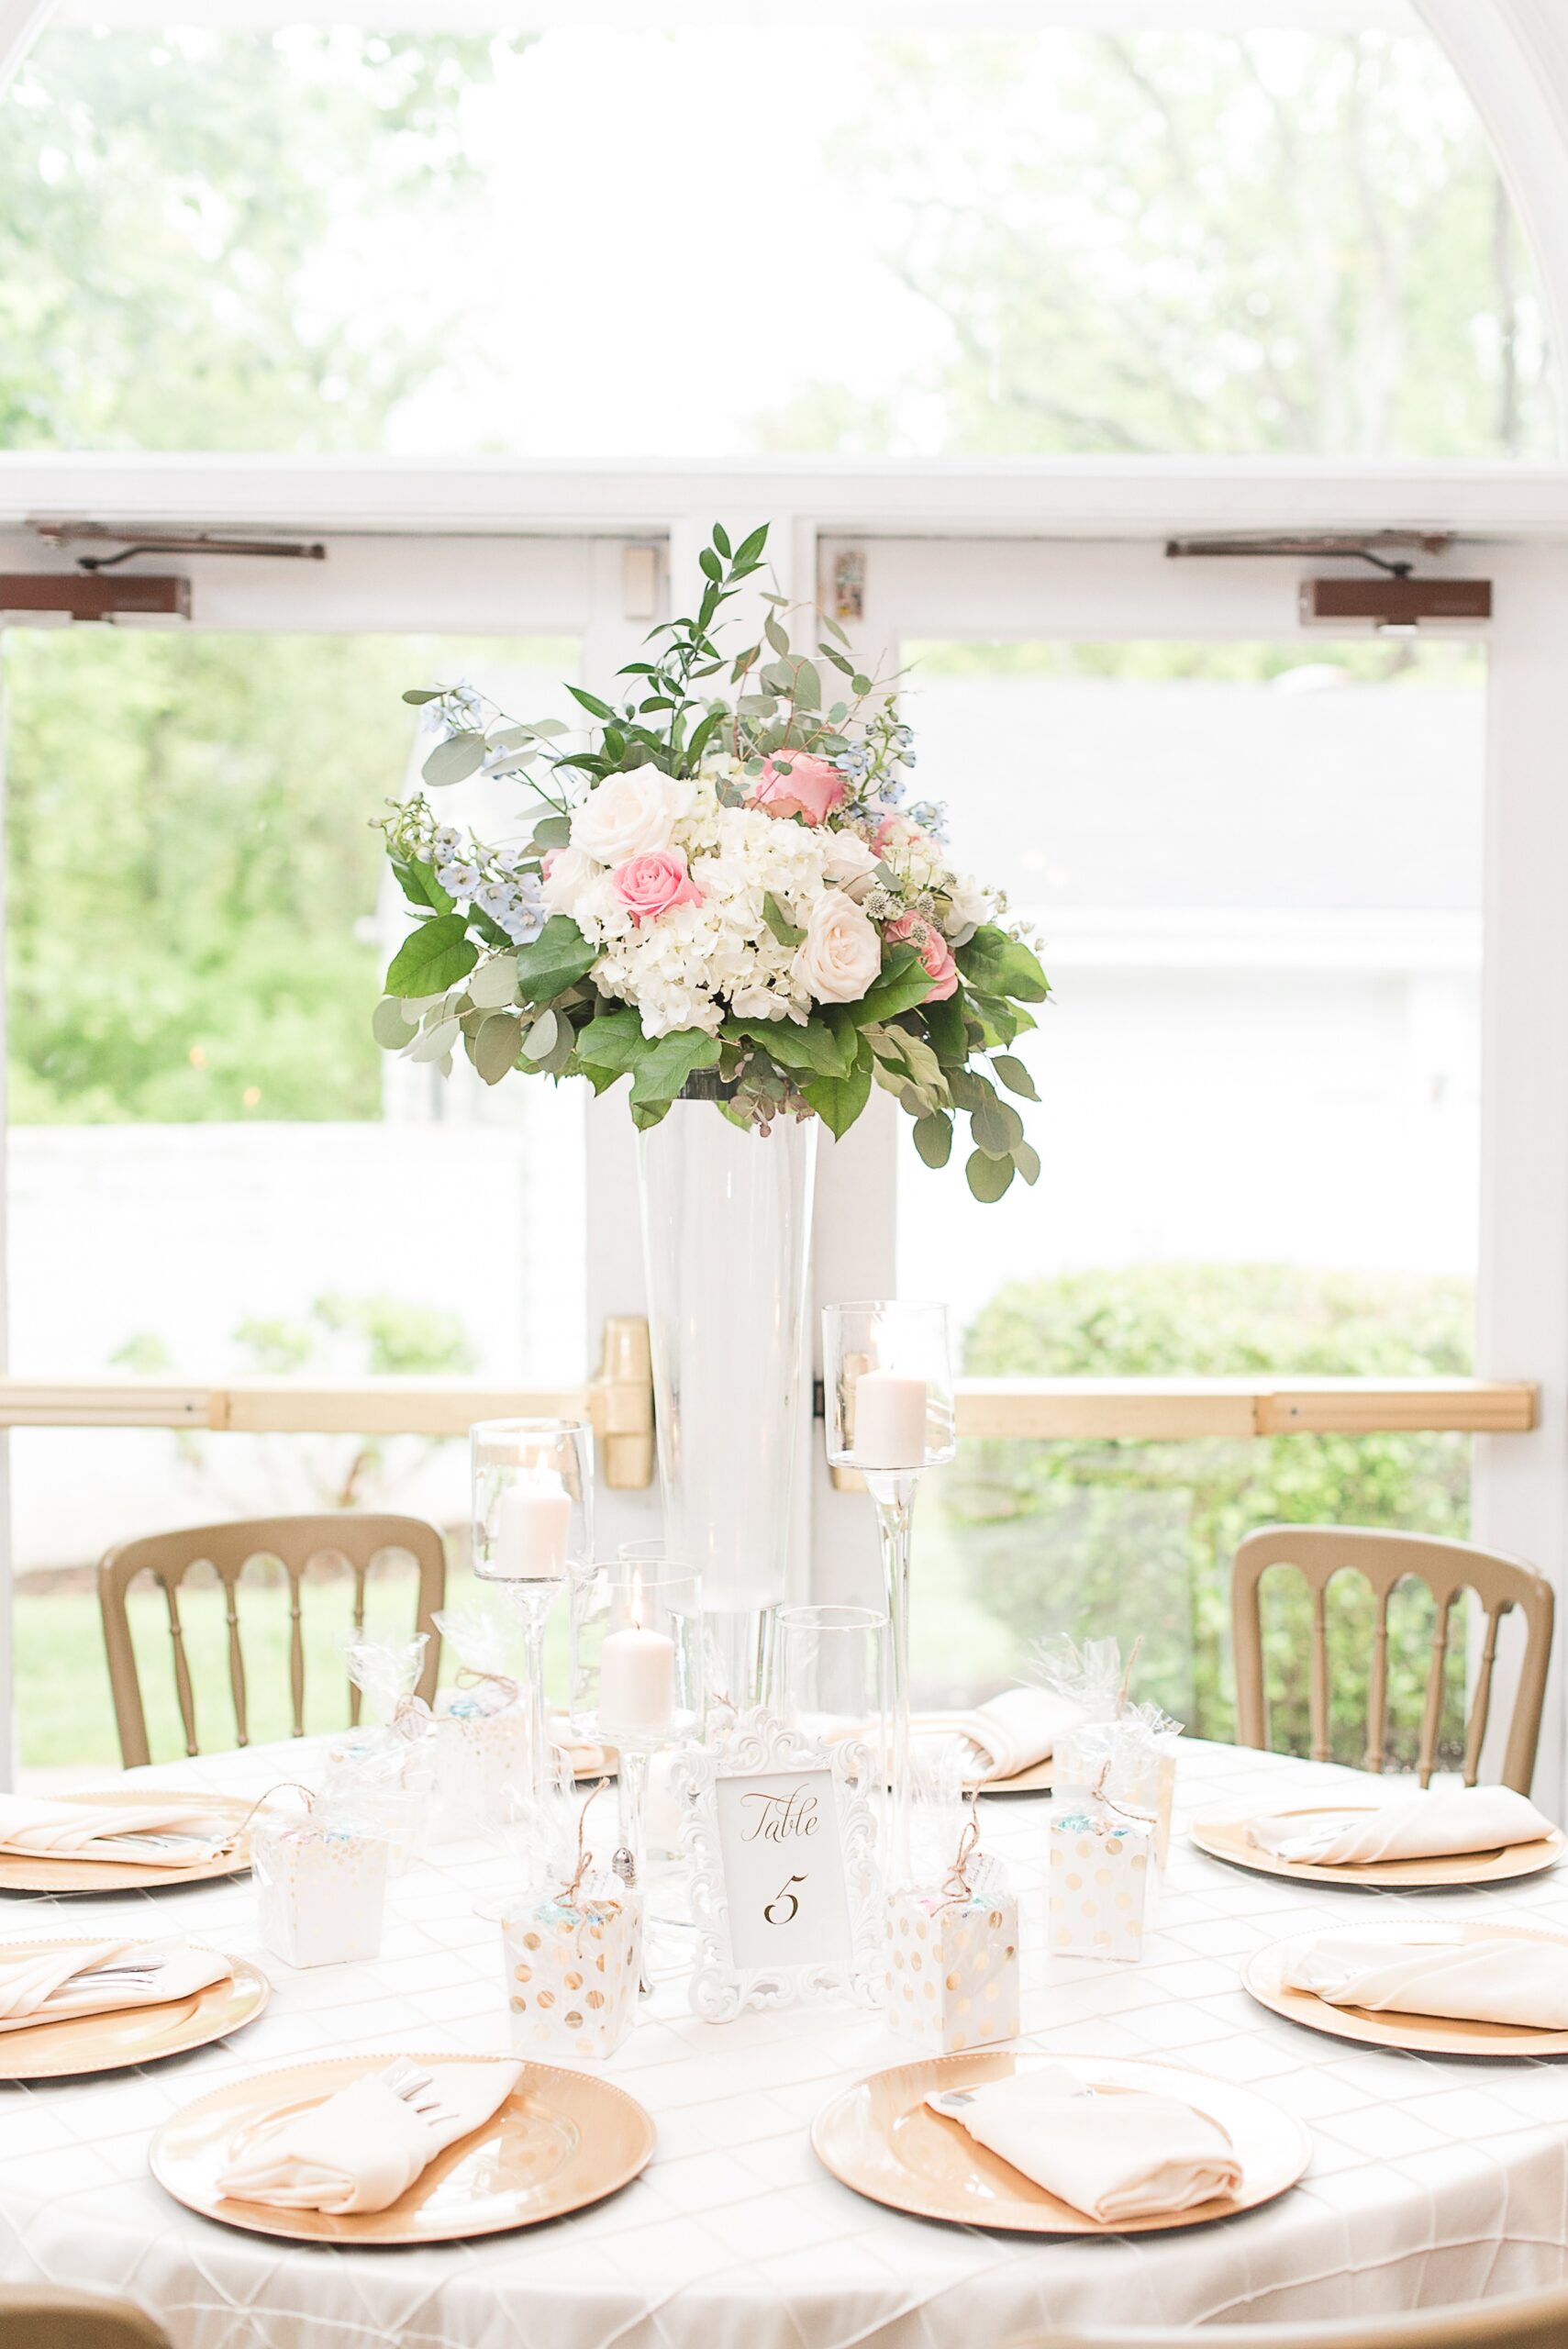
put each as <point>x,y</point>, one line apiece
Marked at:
<point>811,787</point>
<point>895,832</point>
<point>649,885</point>
<point>935,954</point>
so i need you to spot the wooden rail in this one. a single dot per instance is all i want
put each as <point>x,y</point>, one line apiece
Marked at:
<point>620,1404</point>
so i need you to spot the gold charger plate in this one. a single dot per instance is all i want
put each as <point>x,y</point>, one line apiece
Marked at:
<point>560,2141</point>
<point>1417,2034</point>
<point>77,2045</point>
<point>1036,1780</point>
<point>882,2138</point>
<point>1226,1839</point>
<point>19,1872</point>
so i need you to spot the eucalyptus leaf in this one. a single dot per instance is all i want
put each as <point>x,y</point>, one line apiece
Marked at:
<point>1026,1158</point>
<point>436,1042</point>
<point>997,1127</point>
<point>392,1023</point>
<point>933,1139</point>
<point>1015,1076</point>
<point>988,1177</point>
<point>543,1037</point>
<point>495,984</point>
<point>451,762</point>
<point>495,1046</point>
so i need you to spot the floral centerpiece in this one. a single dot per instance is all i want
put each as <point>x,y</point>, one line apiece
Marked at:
<point>724,892</point>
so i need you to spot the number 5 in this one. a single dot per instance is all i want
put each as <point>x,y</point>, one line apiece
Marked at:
<point>776,1913</point>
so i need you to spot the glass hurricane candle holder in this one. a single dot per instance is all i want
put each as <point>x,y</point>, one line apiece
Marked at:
<point>888,1373</point>
<point>637,1673</point>
<point>830,1673</point>
<point>532,1530</point>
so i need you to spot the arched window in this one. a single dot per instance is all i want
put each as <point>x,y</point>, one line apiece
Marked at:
<point>1264,230</point>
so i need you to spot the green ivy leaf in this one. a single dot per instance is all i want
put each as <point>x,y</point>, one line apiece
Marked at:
<point>904,983</point>
<point>559,956</point>
<point>451,760</point>
<point>1015,1076</point>
<point>839,1100</point>
<point>944,1026</point>
<point>666,1063</point>
<point>611,1041</point>
<point>433,958</point>
<point>933,1139</point>
<point>988,1177</point>
<point>997,964</point>
<point>418,883</point>
<point>826,1051</point>
<point>495,1046</point>
<point>779,922</point>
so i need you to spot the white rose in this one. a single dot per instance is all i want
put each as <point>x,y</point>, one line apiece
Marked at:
<point>841,953</point>
<point>850,862</point>
<point>629,815</point>
<point>570,873</point>
<point>968,906</point>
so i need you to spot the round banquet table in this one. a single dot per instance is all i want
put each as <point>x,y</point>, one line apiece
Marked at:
<point>1431,2179</point>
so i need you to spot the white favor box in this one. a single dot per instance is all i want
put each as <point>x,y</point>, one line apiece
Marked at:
<point>1098,1881</point>
<point>320,1890</point>
<point>572,1969</point>
<point>951,1969</point>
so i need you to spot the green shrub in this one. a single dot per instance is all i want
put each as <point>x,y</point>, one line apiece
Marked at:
<point>1136,1539</point>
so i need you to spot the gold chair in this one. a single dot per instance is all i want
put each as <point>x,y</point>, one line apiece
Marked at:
<point>1319,1552</point>
<point>295,1542</point>
<point>1529,2320</point>
<point>42,2316</point>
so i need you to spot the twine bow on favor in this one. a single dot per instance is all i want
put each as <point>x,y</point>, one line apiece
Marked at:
<point>283,1787</point>
<point>958,1887</point>
<point>472,1676</point>
<point>569,1892</point>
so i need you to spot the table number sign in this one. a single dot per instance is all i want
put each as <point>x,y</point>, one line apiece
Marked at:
<point>784,1890</point>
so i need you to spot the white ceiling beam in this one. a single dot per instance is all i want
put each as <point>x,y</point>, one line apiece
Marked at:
<point>1071,497</point>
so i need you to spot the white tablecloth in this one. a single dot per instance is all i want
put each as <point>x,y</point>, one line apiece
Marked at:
<point>1430,2180</point>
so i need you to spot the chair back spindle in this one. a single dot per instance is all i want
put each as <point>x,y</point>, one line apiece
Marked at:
<point>1447,1569</point>
<point>294,1544</point>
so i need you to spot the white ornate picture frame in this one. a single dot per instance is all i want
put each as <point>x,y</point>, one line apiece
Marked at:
<point>763,1802</point>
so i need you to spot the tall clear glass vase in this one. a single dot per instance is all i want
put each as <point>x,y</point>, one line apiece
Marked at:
<point>727,1237</point>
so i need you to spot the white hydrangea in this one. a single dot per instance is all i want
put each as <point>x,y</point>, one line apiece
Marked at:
<point>694,963</point>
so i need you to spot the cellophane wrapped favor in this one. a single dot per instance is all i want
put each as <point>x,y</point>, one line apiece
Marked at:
<point>482,1727</point>
<point>321,1879</point>
<point>385,1772</point>
<point>951,1969</point>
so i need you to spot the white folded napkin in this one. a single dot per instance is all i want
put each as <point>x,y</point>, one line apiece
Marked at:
<point>365,2146</point>
<point>1412,1827</point>
<point>1111,2156</point>
<point>1009,1732</point>
<point>51,1986</point>
<point>1429,1970</point>
<point>44,1829</point>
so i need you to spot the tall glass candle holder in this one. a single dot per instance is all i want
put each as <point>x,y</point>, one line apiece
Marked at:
<point>888,1372</point>
<point>532,1531</point>
<point>637,1673</point>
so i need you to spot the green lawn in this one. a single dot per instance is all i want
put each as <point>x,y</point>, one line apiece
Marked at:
<point>64,1716</point>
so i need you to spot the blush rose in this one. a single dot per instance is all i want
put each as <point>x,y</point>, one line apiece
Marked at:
<point>649,885</point>
<point>811,787</point>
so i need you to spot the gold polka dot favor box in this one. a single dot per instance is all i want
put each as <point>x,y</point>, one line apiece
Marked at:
<point>320,1889</point>
<point>952,1968</point>
<point>1099,1880</point>
<point>572,1961</point>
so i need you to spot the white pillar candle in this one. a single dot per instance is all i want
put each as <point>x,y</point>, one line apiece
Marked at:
<point>890,1420</point>
<point>637,1683</point>
<point>533,1524</point>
